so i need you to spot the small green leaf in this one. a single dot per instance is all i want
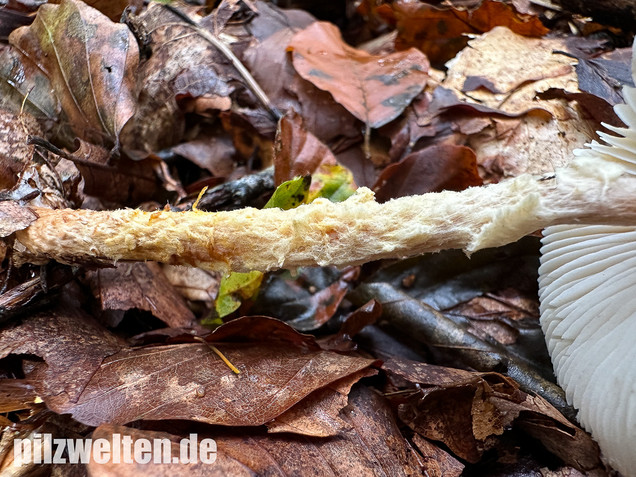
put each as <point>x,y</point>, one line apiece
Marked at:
<point>235,288</point>
<point>290,194</point>
<point>332,182</point>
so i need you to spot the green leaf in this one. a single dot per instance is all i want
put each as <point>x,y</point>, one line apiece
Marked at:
<point>290,194</point>
<point>332,182</point>
<point>235,288</point>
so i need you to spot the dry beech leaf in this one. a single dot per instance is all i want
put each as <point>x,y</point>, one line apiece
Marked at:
<point>297,151</point>
<point>222,466</point>
<point>143,286</point>
<point>513,80</point>
<point>91,62</point>
<point>441,32</point>
<point>189,381</point>
<point>14,217</point>
<point>433,169</point>
<point>373,445</point>
<point>508,79</point>
<point>375,89</point>
<point>15,153</point>
<point>438,462</point>
<point>71,343</point>
<point>21,81</point>
<point>468,410</point>
<point>272,68</point>
<point>317,414</point>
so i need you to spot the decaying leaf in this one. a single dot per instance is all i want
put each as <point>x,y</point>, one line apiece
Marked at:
<point>468,410</point>
<point>91,62</point>
<point>373,446</point>
<point>14,217</point>
<point>440,32</point>
<point>432,169</point>
<point>189,381</point>
<point>142,286</point>
<point>22,81</point>
<point>71,343</point>
<point>15,153</point>
<point>375,89</point>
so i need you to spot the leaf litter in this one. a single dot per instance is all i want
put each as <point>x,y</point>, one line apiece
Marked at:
<point>102,114</point>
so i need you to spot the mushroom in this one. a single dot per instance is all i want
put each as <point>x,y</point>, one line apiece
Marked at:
<point>587,289</point>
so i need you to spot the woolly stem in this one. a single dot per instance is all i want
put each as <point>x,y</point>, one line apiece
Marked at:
<point>348,233</point>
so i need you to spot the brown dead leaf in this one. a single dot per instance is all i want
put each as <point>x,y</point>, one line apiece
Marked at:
<point>71,343</point>
<point>440,32</point>
<point>17,394</point>
<point>373,446</point>
<point>297,152</point>
<point>14,217</point>
<point>514,80</point>
<point>433,169</point>
<point>91,62</point>
<point>438,462</point>
<point>375,89</point>
<point>468,410</point>
<point>272,68</point>
<point>24,86</point>
<point>183,68</point>
<point>142,286</point>
<point>189,381</point>
<point>509,78</point>
<point>15,153</point>
<point>318,414</point>
<point>113,9</point>
<point>222,466</point>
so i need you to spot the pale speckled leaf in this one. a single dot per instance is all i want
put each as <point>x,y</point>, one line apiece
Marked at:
<point>375,89</point>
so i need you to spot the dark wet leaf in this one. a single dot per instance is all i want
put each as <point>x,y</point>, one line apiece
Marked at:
<point>433,169</point>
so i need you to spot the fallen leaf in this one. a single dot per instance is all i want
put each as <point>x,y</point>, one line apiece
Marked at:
<point>71,343</point>
<point>433,169</point>
<point>14,217</point>
<point>272,67</point>
<point>437,461</point>
<point>318,414</point>
<point>373,446</point>
<point>234,289</point>
<point>24,86</point>
<point>375,89</point>
<point>466,410</point>
<point>189,381</point>
<point>142,286</point>
<point>440,32</point>
<point>193,283</point>
<point>16,395</point>
<point>91,62</point>
<point>222,465</point>
<point>15,153</point>
<point>297,151</point>
<point>306,301</point>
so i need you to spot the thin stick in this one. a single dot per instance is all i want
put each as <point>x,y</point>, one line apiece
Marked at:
<point>225,50</point>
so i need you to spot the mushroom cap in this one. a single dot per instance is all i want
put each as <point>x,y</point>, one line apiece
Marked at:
<point>587,289</point>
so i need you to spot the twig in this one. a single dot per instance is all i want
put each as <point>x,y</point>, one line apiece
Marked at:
<point>225,50</point>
